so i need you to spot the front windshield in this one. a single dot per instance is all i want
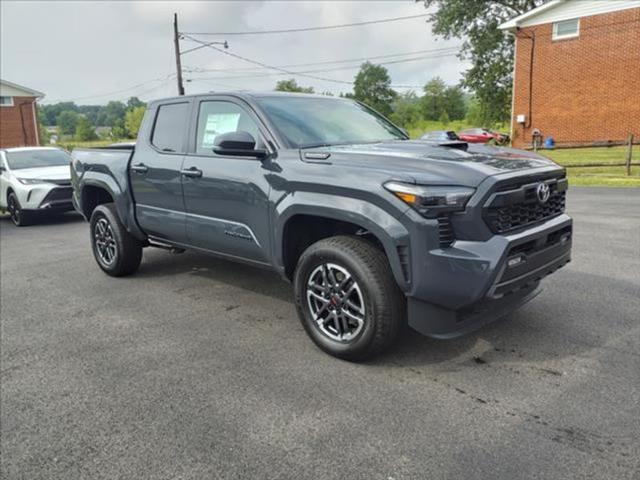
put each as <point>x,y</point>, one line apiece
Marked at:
<point>37,159</point>
<point>312,121</point>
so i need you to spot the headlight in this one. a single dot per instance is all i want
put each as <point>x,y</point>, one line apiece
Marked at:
<point>31,181</point>
<point>430,201</point>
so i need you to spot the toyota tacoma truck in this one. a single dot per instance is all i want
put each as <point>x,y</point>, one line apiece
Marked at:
<point>374,230</point>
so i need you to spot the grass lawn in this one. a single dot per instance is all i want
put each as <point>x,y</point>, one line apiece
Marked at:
<point>597,176</point>
<point>71,144</point>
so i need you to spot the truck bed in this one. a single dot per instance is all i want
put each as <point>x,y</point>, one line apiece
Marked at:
<point>106,168</point>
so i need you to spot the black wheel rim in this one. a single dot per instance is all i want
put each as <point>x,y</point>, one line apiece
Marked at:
<point>335,302</point>
<point>14,211</point>
<point>105,243</point>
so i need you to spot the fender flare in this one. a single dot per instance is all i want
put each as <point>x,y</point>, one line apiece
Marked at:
<point>391,233</point>
<point>124,204</point>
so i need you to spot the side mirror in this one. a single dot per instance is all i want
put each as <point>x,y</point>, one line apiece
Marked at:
<point>237,144</point>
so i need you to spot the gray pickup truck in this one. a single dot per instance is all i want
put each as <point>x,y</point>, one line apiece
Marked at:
<point>373,229</point>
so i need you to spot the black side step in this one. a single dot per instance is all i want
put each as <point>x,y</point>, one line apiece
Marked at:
<point>164,246</point>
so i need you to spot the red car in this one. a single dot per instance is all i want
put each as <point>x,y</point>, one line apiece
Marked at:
<point>482,135</point>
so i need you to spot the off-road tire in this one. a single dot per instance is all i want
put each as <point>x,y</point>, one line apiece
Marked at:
<point>385,305</point>
<point>128,248</point>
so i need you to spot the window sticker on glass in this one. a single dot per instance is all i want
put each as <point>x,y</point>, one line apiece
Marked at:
<point>218,123</point>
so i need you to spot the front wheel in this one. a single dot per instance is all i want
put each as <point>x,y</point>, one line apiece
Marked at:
<point>19,217</point>
<point>117,252</point>
<point>347,298</point>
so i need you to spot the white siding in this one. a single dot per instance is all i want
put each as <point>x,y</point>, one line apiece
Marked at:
<point>568,9</point>
<point>8,89</point>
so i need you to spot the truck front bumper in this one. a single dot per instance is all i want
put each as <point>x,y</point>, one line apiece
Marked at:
<point>472,284</point>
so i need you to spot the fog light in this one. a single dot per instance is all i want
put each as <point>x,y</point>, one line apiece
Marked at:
<point>513,261</point>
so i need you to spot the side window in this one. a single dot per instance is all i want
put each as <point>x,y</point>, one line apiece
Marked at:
<point>169,127</point>
<point>218,117</point>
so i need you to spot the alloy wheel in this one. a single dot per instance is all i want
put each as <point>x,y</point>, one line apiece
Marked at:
<point>14,210</point>
<point>336,302</point>
<point>105,242</point>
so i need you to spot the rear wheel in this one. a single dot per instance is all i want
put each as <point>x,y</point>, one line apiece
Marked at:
<point>19,217</point>
<point>347,298</point>
<point>117,252</point>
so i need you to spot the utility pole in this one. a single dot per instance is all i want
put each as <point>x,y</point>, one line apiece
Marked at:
<point>176,42</point>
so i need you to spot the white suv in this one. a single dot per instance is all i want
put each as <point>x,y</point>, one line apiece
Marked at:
<point>34,179</point>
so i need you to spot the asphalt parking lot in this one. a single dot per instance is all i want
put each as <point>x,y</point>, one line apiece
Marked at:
<point>198,368</point>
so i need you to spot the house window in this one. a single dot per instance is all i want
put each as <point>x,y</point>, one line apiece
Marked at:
<point>6,101</point>
<point>566,29</point>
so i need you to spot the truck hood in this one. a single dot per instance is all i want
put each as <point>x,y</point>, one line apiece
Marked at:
<point>425,162</point>
<point>62,172</point>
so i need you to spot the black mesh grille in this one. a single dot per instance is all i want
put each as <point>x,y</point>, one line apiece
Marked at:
<point>519,207</point>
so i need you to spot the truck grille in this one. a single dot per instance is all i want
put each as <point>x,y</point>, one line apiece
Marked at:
<point>517,206</point>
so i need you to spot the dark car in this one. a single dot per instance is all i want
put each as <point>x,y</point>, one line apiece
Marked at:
<point>373,229</point>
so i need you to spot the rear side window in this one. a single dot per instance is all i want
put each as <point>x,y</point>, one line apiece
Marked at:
<point>168,131</point>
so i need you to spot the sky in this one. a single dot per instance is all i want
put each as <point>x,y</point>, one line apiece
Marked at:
<point>92,52</point>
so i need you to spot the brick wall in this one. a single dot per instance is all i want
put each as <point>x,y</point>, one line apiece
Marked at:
<point>584,90</point>
<point>17,128</point>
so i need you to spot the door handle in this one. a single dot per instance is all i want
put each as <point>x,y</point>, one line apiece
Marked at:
<point>140,168</point>
<point>192,172</point>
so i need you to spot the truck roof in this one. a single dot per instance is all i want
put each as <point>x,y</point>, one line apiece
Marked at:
<point>247,94</point>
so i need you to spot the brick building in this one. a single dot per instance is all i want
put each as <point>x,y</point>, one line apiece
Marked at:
<point>18,125</point>
<point>577,72</point>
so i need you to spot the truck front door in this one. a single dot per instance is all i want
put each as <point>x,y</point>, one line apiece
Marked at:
<point>155,172</point>
<point>226,197</point>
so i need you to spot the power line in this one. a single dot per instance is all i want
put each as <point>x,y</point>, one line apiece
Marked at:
<point>347,67</point>
<point>283,70</point>
<point>133,87</point>
<point>310,29</point>
<point>329,62</point>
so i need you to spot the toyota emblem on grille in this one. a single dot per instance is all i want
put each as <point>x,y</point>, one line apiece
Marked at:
<point>543,192</point>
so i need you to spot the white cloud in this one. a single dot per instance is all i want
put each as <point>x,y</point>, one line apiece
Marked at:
<point>73,50</point>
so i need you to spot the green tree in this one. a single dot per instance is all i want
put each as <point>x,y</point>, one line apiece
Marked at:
<point>66,122</point>
<point>372,86</point>
<point>292,86</point>
<point>455,104</point>
<point>134,102</point>
<point>84,130</point>
<point>43,134</point>
<point>434,98</point>
<point>489,49</point>
<point>118,130</point>
<point>113,111</point>
<point>406,109</point>
<point>133,119</point>
<point>444,118</point>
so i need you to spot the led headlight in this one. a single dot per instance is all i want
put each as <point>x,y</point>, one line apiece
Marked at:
<point>429,201</point>
<point>31,181</point>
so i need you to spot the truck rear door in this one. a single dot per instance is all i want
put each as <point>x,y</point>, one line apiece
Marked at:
<point>155,171</point>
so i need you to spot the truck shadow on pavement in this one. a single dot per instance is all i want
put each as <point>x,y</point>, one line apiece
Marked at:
<point>540,332</point>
